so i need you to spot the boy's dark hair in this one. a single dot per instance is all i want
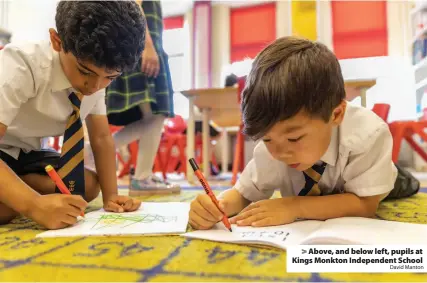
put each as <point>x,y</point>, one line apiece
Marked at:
<point>290,75</point>
<point>108,34</point>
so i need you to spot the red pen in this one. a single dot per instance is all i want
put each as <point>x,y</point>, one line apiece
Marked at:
<point>58,182</point>
<point>208,190</point>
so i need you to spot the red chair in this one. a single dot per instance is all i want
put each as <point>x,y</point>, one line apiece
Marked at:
<point>239,151</point>
<point>405,130</point>
<point>174,136</point>
<point>382,110</point>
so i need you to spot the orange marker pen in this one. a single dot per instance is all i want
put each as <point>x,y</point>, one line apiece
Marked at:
<point>208,190</point>
<point>58,182</point>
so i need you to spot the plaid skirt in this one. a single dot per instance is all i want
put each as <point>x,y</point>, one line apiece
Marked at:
<point>126,93</point>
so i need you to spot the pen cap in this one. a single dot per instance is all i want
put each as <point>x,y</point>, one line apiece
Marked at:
<point>49,168</point>
<point>193,164</point>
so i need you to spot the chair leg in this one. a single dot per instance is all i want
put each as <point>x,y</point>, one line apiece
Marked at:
<point>182,155</point>
<point>416,148</point>
<point>397,132</point>
<point>237,157</point>
<point>133,152</point>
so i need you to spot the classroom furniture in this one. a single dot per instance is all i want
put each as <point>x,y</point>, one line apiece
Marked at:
<point>238,161</point>
<point>217,104</point>
<point>175,136</point>
<point>418,48</point>
<point>361,86</point>
<point>220,106</point>
<point>403,130</point>
<point>406,130</point>
<point>382,110</point>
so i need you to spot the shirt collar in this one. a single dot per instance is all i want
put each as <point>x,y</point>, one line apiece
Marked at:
<point>59,80</point>
<point>331,154</point>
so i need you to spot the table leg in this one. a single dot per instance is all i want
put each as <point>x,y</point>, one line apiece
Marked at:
<point>363,96</point>
<point>224,151</point>
<point>206,142</point>
<point>190,139</point>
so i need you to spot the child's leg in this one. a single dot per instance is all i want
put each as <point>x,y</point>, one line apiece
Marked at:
<point>148,132</point>
<point>6,214</point>
<point>148,146</point>
<point>44,185</point>
<point>30,169</point>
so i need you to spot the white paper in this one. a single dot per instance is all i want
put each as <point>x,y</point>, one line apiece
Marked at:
<point>367,231</point>
<point>339,231</point>
<point>277,236</point>
<point>151,218</point>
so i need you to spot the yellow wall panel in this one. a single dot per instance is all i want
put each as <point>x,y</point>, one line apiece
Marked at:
<point>304,19</point>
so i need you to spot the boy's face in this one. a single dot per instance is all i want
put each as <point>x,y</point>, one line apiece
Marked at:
<point>83,76</point>
<point>301,140</point>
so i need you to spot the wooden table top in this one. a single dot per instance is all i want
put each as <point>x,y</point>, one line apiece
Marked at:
<point>356,83</point>
<point>224,110</point>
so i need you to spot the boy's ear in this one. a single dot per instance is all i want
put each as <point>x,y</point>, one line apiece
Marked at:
<point>338,113</point>
<point>55,40</point>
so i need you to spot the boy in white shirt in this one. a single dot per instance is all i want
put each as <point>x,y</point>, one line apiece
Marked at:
<point>47,89</point>
<point>328,158</point>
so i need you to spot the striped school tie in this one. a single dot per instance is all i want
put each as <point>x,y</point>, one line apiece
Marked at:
<point>71,162</point>
<point>312,177</point>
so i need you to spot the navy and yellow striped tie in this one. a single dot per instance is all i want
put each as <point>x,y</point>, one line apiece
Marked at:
<point>71,162</point>
<point>312,177</point>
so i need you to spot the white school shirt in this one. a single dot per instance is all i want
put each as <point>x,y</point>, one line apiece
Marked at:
<point>34,100</point>
<point>358,161</point>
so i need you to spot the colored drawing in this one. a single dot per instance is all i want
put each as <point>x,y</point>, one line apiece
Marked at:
<point>122,220</point>
<point>151,218</point>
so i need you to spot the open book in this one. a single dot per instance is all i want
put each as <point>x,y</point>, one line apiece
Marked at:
<point>346,230</point>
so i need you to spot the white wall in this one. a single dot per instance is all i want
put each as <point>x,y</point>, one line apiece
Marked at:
<point>4,14</point>
<point>30,20</point>
<point>395,83</point>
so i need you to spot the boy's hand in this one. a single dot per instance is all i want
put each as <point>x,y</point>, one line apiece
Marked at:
<point>57,211</point>
<point>269,212</point>
<point>203,212</point>
<point>117,203</point>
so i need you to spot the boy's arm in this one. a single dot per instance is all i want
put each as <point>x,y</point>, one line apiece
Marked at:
<point>334,206</point>
<point>104,152</point>
<point>232,202</point>
<point>369,176</point>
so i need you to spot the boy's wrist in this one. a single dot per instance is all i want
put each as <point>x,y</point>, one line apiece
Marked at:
<point>296,207</point>
<point>108,195</point>
<point>28,206</point>
<point>233,201</point>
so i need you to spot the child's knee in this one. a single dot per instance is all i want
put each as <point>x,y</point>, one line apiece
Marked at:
<point>6,214</point>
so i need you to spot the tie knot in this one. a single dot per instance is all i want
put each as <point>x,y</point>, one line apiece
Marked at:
<point>315,172</point>
<point>76,99</point>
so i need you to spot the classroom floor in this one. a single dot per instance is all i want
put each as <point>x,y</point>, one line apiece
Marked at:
<point>170,258</point>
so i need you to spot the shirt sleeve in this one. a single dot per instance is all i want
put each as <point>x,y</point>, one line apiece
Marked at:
<point>100,107</point>
<point>261,176</point>
<point>17,82</point>
<point>372,171</point>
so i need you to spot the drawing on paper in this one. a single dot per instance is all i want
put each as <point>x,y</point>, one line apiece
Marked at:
<point>122,221</point>
<point>274,235</point>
